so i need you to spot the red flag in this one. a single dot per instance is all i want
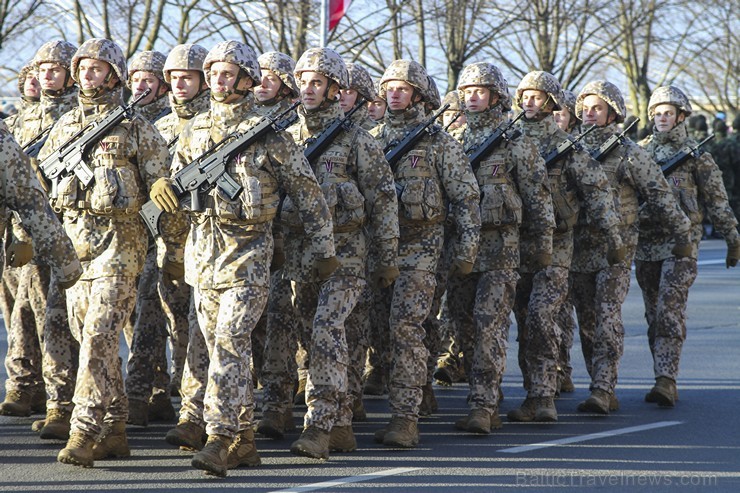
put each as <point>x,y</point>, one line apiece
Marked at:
<point>337,9</point>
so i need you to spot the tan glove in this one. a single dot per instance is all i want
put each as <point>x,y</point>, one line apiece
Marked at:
<point>541,261</point>
<point>164,196</point>
<point>733,254</point>
<point>384,275</point>
<point>460,267</point>
<point>70,282</point>
<point>42,180</point>
<point>325,267</point>
<point>682,248</point>
<point>19,253</point>
<point>616,251</point>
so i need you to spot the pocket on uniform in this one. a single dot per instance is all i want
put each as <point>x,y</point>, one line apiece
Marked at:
<point>412,198</point>
<point>128,196</point>
<point>491,206</point>
<point>66,193</point>
<point>104,190</point>
<point>350,209</point>
<point>251,197</point>
<point>433,205</point>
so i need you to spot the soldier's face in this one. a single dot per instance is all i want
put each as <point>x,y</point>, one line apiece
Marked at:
<point>376,109</point>
<point>347,99</point>
<point>31,87</point>
<point>533,100</point>
<point>93,74</point>
<point>269,87</point>
<point>596,111</point>
<point>315,88</point>
<point>477,98</point>
<point>52,76</point>
<point>141,81</point>
<point>224,77</point>
<point>666,117</point>
<point>186,84</point>
<point>399,94</point>
<point>562,118</point>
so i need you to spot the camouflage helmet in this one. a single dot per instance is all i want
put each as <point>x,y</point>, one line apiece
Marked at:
<point>58,51</point>
<point>360,81</point>
<point>23,73</point>
<point>569,101</point>
<point>606,91</point>
<point>408,71</point>
<point>282,65</point>
<point>453,99</point>
<point>147,61</point>
<point>669,95</point>
<point>433,98</point>
<point>104,50</point>
<point>326,62</point>
<point>488,75</point>
<point>184,57</point>
<point>541,81</point>
<point>237,53</point>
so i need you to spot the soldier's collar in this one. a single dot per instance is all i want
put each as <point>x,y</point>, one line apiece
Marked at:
<point>677,134</point>
<point>230,114</point>
<point>318,119</point>
<point>491,117</point>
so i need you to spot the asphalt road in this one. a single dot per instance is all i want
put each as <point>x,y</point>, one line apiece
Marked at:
<point>692,447</point>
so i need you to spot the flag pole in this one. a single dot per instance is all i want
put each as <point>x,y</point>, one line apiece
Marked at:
<point>324,20</point>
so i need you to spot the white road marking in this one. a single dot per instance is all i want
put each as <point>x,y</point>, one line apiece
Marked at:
<point>591,436</point>
<point>718,261</point>
<point>352,479</point>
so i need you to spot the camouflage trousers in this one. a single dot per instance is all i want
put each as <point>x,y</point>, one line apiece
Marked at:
<point>227,317</point>
<point>665,290</point>
<point>175,296</point>
<point>98,310</point>
<point>538,299</point>
<point>195,372</point>
<point>357,330</point>
<point>480,304</point>
<point>61,351</point>
<point>413,293</point>
<point>326,307</point>
<point>566,320</point>
<point>435,340</point>
<point>378,352</point>
<point>598,298</point>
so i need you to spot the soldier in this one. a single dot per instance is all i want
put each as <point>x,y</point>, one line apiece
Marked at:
<point>360,88</point>
<point>30,91</point>
<point>576,183</point>
<point>513,183</point>
<point>103,222</point>
<point>434,173</point>
<point>664,273</point>
<point>376,109</point>
<point>229,248</point>
<point>358,184</point>
<point>599,285</point>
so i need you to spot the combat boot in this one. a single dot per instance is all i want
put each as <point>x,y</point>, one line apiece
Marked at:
<point>212,459</point>
<point>138,412</point>
<point>400,432</point>
<point>358,410</point>
<point>342,439</point>
<point>597,403</point>
<point>375,382</point>
<point>161,410</point>
<point>271,425</point>
<point>428,401</point>
<point>38,402</point>
<point>17,403</point>
<point>300,394</point>
<point>613,403</point>
<point>663,392</point>
<point>187,435</point>
<point>56,425</point>
<point>566,384</point>
<point>447,371</point>
<point>479,421</point>
<point>314,443</point>
<point>242,451</point>
<point>525,413</point>
<point>544,411</point>
<point>78,451</point>
<point>112,442</point>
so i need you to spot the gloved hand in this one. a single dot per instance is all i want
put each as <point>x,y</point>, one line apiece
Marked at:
<point>460,267</point>
<point>682,248</point>
<point>326,266</point>
<point>19,253</point>
<point>70,282</point>
<point>616,251</point>
<point>164,196</point>
<point>733,254</point>
<point>384,275</point>
<point>42,180</point>
<point>176,270</point>
<point>278,259</point>
<point>541,260</point>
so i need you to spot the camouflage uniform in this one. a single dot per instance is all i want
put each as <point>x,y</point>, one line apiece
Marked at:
<point>664,277</point>
<point>513,183</point>
<point>436,172</point>
<point>598,288</point>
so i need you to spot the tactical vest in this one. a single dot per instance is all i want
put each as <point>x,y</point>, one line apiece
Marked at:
<point>500,203</point>
<point>565,201</point>
<point>420,199</point>
<point>626,202</point>
<point>684,188</point>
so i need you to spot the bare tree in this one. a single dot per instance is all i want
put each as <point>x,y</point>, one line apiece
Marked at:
<point>16,17</point>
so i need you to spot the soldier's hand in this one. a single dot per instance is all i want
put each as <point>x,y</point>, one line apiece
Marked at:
<point>460,267</point>
<point>616,251</point>
<point>682,249</point>
<point>733,254</point>
<point>175,270</point>
<point>42,180</point>
<point>541,261</point>
<point>19,253</point>
<point>325,267</point>
<point>164,196</point>
<point>384,275</point>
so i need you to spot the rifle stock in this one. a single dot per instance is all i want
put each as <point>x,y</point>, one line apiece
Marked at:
<point>611,143</point>
<point>315,147</point>
<point>32,147</point>
<point>395,151</point>
<point>669,166</point>
<point>565,148</point>
<point>478,153</point>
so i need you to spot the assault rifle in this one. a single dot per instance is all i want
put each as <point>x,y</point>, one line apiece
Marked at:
<point>669,165</point>
<point>70,157</point>
<point>479,152</point>
<point>209,170</point>
<point>33,146</point>
<point>172,143</point>
<point>314,147</point>
<point>565,148</point>
<point>609,144</point>
<point>395,150</point>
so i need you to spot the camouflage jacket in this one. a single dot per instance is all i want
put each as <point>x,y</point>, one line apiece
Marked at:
<point>21,192</point>
<point>697,187</point>
<point>230,242</point>
<point>578,185</point>
<point>15,122</point>
<point>102,220</point>
<point>358,186</point>
<point>157,109</point>
<point>172,124</point>
<point>432,178</point>
<point>513,184</point>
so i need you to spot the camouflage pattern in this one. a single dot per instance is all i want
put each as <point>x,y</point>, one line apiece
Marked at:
<point>237,53</point>
<point>566,320</point>
<point>569,102</point>
<point>58,51</point>
<point>101,49</point>
<point>147,61</point>
<point>325,61</point>
<point>453,99</point>
<point>184,57</point>
<point>281,65</point>
<point>408,71</point>
<point>540,81</point>
<point>159,108</point>
<point>669,95</point>
<point>61,351</point>
<point>606,91</point>
<point>23,73</point>
<point>360,81</point>
<point>433,98</point>
<point>195,371</point>
<point>486,75</point>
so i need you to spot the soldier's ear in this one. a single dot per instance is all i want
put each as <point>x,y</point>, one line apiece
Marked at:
<point>681,117</point>
<point>332,93</point>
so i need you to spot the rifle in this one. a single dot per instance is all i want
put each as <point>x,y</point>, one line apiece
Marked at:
<point>314,147</point>
<point>34,145</point>
<point>457,115</point>
<point>669,165</point>
<point>209,170</point>
<point>70,157</point>
<point>395,150</point>
<point>565,148</point>
<point>172,143</point>
<point>477,153</point>
<point>609,144</point>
